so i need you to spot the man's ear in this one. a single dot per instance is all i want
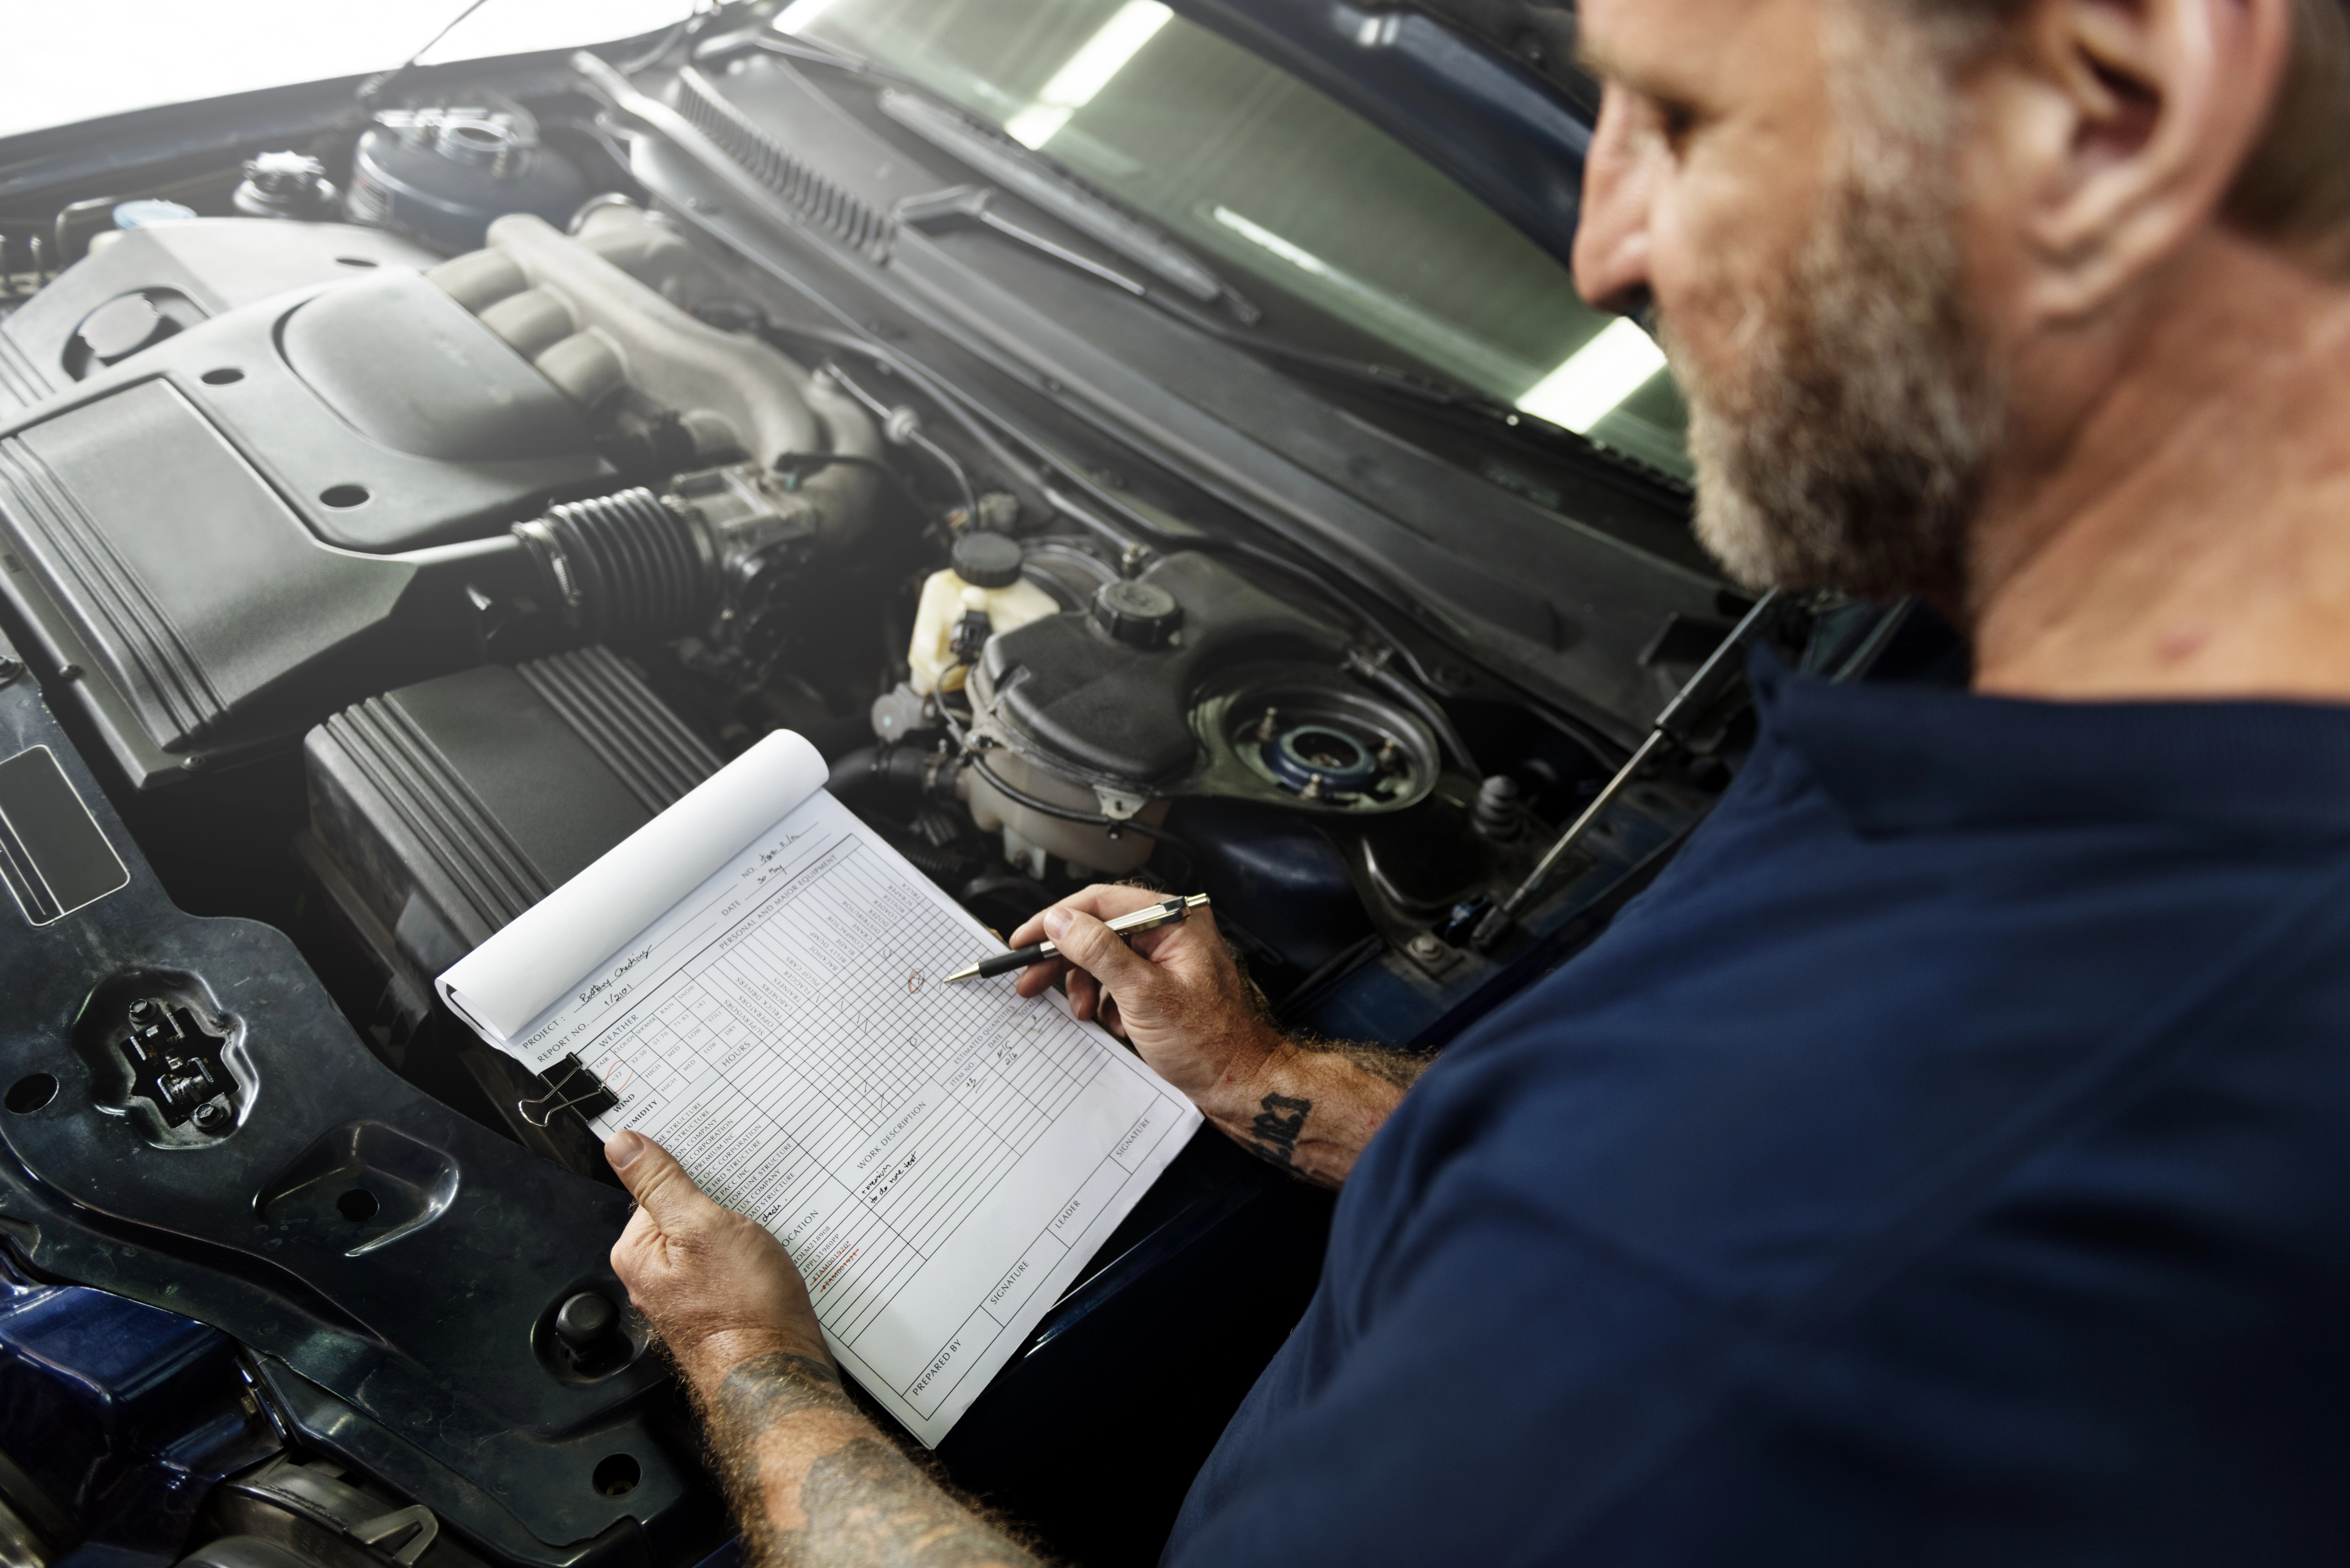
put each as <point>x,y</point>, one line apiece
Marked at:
<point>2123,125</point>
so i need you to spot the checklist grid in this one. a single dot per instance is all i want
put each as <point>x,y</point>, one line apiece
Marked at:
<point>809,1066</point>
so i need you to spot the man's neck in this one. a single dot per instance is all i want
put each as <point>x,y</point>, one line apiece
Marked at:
<point>2190,538</point>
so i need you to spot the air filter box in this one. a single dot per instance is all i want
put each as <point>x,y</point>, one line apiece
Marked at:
<point>440,812</point>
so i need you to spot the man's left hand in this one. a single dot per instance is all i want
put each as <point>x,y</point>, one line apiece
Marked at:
<point>717,1287</point>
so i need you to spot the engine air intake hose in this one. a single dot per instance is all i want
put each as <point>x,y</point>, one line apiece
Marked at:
<point>623,566</point>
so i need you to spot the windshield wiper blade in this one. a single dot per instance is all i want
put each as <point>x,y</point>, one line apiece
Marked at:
<point>975,204</point>
<point>1039,180</point>
<point>1025,173</point>
<point>1390,381</point>
<point>762,35</point>
<point>1414,389</point>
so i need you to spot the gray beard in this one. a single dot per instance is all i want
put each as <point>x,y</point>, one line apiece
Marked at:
<point>1845,448</point>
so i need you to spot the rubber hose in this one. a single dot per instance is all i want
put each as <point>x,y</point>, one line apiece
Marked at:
<point>897,770</point>
<point>634,567</point>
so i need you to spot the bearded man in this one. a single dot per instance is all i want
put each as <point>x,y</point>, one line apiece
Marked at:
<point>1949,1160</point>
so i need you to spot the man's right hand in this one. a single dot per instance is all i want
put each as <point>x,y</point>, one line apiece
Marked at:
<point>1178,996</point>
<point>1175,994</point>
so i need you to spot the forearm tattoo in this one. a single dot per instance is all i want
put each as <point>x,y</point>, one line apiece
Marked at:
<point>863,1504</point>
<point>1280,1127</point>
<point>1273,1135</point>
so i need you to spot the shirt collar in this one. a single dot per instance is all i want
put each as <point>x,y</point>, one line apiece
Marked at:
<point>1902,758</point>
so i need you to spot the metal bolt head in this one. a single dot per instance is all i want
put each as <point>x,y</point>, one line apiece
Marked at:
<point>212,1116</point>
<point>281,173</point>
<point>1427,947</point>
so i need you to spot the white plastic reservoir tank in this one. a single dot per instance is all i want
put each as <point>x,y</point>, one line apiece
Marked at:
<point>985,578</point>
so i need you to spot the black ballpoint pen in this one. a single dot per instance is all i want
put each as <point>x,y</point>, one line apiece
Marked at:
<point>1166,912</point>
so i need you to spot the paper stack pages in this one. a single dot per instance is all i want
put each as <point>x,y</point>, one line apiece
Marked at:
<point>753,978</point>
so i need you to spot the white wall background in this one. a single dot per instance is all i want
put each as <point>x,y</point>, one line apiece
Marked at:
<point>64,60</point>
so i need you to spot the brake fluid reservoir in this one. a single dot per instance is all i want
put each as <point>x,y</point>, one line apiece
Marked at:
<point>985,579</point>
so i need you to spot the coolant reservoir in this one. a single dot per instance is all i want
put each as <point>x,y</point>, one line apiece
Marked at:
<point>985,578</point>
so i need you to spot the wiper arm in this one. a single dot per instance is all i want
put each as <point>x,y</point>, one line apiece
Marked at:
<point>1418,390</point>
<point>974,204</point>
<point>1035,179</point>
<point>1386,382</point>
<point>814,51</point>
<point>1039,180</point>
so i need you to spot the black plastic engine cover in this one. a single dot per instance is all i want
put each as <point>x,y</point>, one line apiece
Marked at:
<point>383,412</point>
<point>414,371</point>
<point>195,270</point>
<point>225,532</point>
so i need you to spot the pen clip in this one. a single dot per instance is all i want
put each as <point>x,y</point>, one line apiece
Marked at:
<point>1150,916</point>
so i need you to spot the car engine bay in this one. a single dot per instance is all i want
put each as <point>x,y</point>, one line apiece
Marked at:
<point>421,504</point>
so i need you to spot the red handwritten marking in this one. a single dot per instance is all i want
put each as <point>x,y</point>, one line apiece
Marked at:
<point>913,982</point>
<point>839,1268</point>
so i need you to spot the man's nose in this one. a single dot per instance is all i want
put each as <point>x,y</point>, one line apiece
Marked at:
<point>1611,240</point>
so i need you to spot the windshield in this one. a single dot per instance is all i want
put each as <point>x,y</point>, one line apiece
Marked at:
<point>1282,185</point>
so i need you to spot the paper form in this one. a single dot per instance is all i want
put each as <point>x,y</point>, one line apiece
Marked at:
<point>939,1160</point>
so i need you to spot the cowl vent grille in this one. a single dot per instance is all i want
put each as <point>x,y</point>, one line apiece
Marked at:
<point>814,198</point>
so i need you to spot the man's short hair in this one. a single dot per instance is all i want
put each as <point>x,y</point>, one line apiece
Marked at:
<point>2294,188</point>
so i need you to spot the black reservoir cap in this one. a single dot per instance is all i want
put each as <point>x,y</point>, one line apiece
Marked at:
<point>987,560</point>
<point>1140,615</point>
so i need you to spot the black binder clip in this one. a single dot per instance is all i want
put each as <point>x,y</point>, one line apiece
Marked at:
<point>565,1086</point>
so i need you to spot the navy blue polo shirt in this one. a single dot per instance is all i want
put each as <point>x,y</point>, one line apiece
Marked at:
<point>1947,1161</point>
